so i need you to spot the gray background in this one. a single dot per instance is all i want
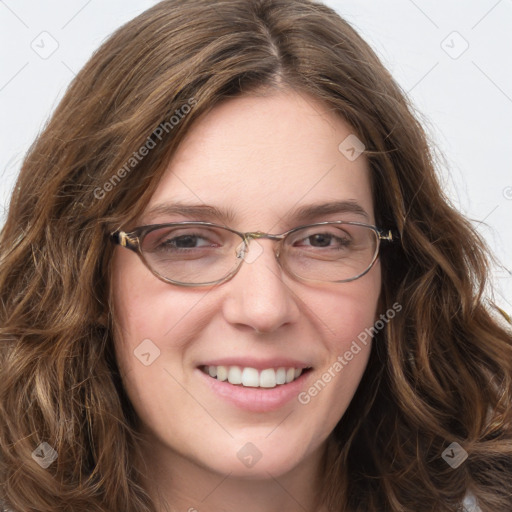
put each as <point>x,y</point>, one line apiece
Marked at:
<point>451,57</point>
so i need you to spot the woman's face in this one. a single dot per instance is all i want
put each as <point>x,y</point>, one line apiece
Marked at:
<point>262,159</point>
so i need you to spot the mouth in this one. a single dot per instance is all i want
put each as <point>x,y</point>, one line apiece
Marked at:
<point>251,377</point>
<point>255,385</point>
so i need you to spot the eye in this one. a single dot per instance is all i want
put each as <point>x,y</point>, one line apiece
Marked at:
<point>325,240</point>
<point>319,237</point>
<point>177,239</point>
<point>184,241</point>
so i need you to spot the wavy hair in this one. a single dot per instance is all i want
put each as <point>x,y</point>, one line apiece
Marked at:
<point>439,372</point>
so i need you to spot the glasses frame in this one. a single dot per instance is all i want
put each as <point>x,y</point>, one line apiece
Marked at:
<point>133,240</point>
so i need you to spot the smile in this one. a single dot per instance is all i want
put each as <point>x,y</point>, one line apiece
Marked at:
<point>251,377</point>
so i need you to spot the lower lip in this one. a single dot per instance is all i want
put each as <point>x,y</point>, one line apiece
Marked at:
<point>256,399</point>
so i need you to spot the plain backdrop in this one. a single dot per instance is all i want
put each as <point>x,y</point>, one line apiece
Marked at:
<point>451,57</point>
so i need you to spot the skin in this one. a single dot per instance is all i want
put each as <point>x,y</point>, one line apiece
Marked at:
<point>261,156</point>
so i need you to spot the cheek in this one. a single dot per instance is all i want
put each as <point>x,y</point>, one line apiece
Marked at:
<point>349,310</point>
<point>154,326</point>
<point>139,316</point>
<point>347,317</point>
<point>142,315</point>
<point>142,306</point>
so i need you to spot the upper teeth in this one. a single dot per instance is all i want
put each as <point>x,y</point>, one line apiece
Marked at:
<point>268,378</point>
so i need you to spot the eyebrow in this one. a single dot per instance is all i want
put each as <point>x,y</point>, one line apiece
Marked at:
<point>209,213</point>
<point>310,212</point>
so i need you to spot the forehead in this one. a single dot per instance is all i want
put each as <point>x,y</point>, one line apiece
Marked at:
<point>261,158</point>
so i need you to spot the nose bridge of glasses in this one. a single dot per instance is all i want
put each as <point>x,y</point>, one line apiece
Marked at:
<point>256,235</point>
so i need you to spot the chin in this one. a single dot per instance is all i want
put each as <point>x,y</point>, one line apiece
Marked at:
<point>260,459</point>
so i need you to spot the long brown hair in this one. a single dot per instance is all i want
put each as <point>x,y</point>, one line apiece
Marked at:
<point>440,372</point>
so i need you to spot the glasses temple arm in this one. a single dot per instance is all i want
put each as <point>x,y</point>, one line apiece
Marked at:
<point>124,240</point>
<point>388,235</point>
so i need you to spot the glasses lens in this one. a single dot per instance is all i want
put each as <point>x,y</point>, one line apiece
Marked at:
<point>330,252</point>
<point>191,253</point>
<point>198,254</point>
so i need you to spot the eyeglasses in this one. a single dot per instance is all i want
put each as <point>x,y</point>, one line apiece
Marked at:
<point>202,253</point>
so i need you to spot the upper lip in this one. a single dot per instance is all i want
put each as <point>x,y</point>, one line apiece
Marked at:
<point>258,364</point>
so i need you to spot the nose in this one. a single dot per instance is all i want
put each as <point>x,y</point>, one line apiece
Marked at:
<point>259,296</point>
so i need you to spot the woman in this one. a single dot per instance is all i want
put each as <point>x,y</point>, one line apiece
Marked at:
<point>163,349</point>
